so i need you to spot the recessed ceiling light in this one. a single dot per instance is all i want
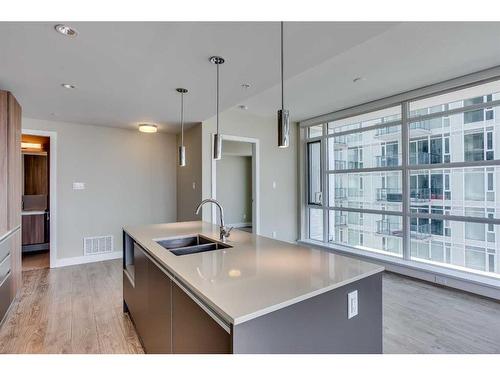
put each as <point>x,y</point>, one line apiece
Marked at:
<point>245,85</point>
<point>66,30</point>
<point>68,86</point>
<point>148,128</point>
<point>358,79</point>
<point>243,107</point>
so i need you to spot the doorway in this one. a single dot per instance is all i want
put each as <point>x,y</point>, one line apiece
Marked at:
<point>36,201</point>
<point>234,183</point>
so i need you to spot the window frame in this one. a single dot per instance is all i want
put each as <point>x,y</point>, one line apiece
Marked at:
<point>403,101</point>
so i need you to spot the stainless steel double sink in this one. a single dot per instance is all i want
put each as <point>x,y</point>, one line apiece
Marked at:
<point>191,244</point>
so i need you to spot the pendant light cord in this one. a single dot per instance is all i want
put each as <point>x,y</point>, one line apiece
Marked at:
<point>282,89</point>
<point>182,119</point>
<point>217,103</point>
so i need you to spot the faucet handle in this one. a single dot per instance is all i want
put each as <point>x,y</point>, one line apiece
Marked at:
<point>225,232</point>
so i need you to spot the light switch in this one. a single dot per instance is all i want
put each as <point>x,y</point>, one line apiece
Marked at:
<point>274,184</point>
<point>194,185</point>
<point>352,304</point>
<point>78,185</point>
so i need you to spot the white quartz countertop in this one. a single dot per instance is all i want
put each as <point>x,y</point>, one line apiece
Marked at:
<point>255,277</point>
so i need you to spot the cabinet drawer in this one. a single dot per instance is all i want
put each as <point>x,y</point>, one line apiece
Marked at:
<point>5,295</point>
<point>5,246</point>
<point>4,268</point>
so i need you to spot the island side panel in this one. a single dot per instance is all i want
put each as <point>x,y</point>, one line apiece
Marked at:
<point>319,324</point>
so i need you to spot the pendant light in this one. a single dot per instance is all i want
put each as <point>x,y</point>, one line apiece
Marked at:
<point>182,149</point>
<point>217,60</point>
<point>283,114</point>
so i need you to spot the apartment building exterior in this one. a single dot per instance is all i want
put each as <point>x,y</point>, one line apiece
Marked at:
<point>452,145</point>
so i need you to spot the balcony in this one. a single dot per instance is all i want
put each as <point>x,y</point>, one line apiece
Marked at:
<point>417,129</point>
<point>420,231</point>
<point>355,193</point>
<point>420,128</point>
<point>389,195</point>
<point>474,155</point>
<point>340,193</point>
<point>340,221</point>
<point>386,227</point>
<point>340,142</point>
<point>437,193</point>
<point>387,160</point>
<point>425,158</point>
<point>340,164</point>
<point>388,133</point>
<point>420,194</point>
<point>355,164</point>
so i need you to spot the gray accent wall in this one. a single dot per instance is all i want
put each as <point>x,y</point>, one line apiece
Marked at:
<point>189,177</point>
<point>129,177</point>
<point>278,207</point>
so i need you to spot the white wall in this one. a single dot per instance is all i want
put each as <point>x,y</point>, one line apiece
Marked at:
<point>234,188</point>
<point>129,176</point>
<point>278,207</point>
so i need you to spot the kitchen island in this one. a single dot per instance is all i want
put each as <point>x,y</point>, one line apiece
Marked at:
<point>257,296</point>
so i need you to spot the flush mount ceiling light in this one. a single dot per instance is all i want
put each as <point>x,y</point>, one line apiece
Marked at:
<point>66,30</point>
<point>36,146</point>
<point>217,60</point>
<point>68,86</point>
<point>182,149</point>
<point>148,128</point>
<point>283,114</point>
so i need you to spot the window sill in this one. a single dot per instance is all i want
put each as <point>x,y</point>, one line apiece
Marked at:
<point>488,286</point>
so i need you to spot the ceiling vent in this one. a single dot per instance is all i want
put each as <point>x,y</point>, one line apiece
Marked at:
<point>97,245</point>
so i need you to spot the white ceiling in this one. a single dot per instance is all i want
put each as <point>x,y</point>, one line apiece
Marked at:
<point>127,72</point>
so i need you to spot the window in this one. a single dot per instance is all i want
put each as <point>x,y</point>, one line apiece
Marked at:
<point>474,147</point>
<point>314,168</point>
<point>450,209</point>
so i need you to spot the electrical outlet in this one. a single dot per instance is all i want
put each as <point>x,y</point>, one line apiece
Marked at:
<point>78,185</point>
<point>244,216</point>
<point>352,304</point>
<point>274,234</point>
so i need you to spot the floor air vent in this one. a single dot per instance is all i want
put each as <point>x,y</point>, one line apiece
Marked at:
<point>97,245</point>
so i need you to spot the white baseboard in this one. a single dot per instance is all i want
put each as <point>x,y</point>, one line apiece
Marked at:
<point>86,259</point>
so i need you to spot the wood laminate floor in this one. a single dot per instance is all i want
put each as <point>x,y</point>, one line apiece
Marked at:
<point>78,309</point>
<point>75,309</point>
<point>36,261</point>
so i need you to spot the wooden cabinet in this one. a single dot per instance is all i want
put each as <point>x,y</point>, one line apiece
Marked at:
<point>168,319</point>
<point>33,229</point>
<point>194,330</point>
<point>4,109</point>
<point>149,303</point>
<point>158,333</point>
<point>10,182</point>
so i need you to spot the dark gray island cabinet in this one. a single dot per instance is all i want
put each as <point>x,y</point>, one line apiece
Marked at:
<point>171,317</point>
